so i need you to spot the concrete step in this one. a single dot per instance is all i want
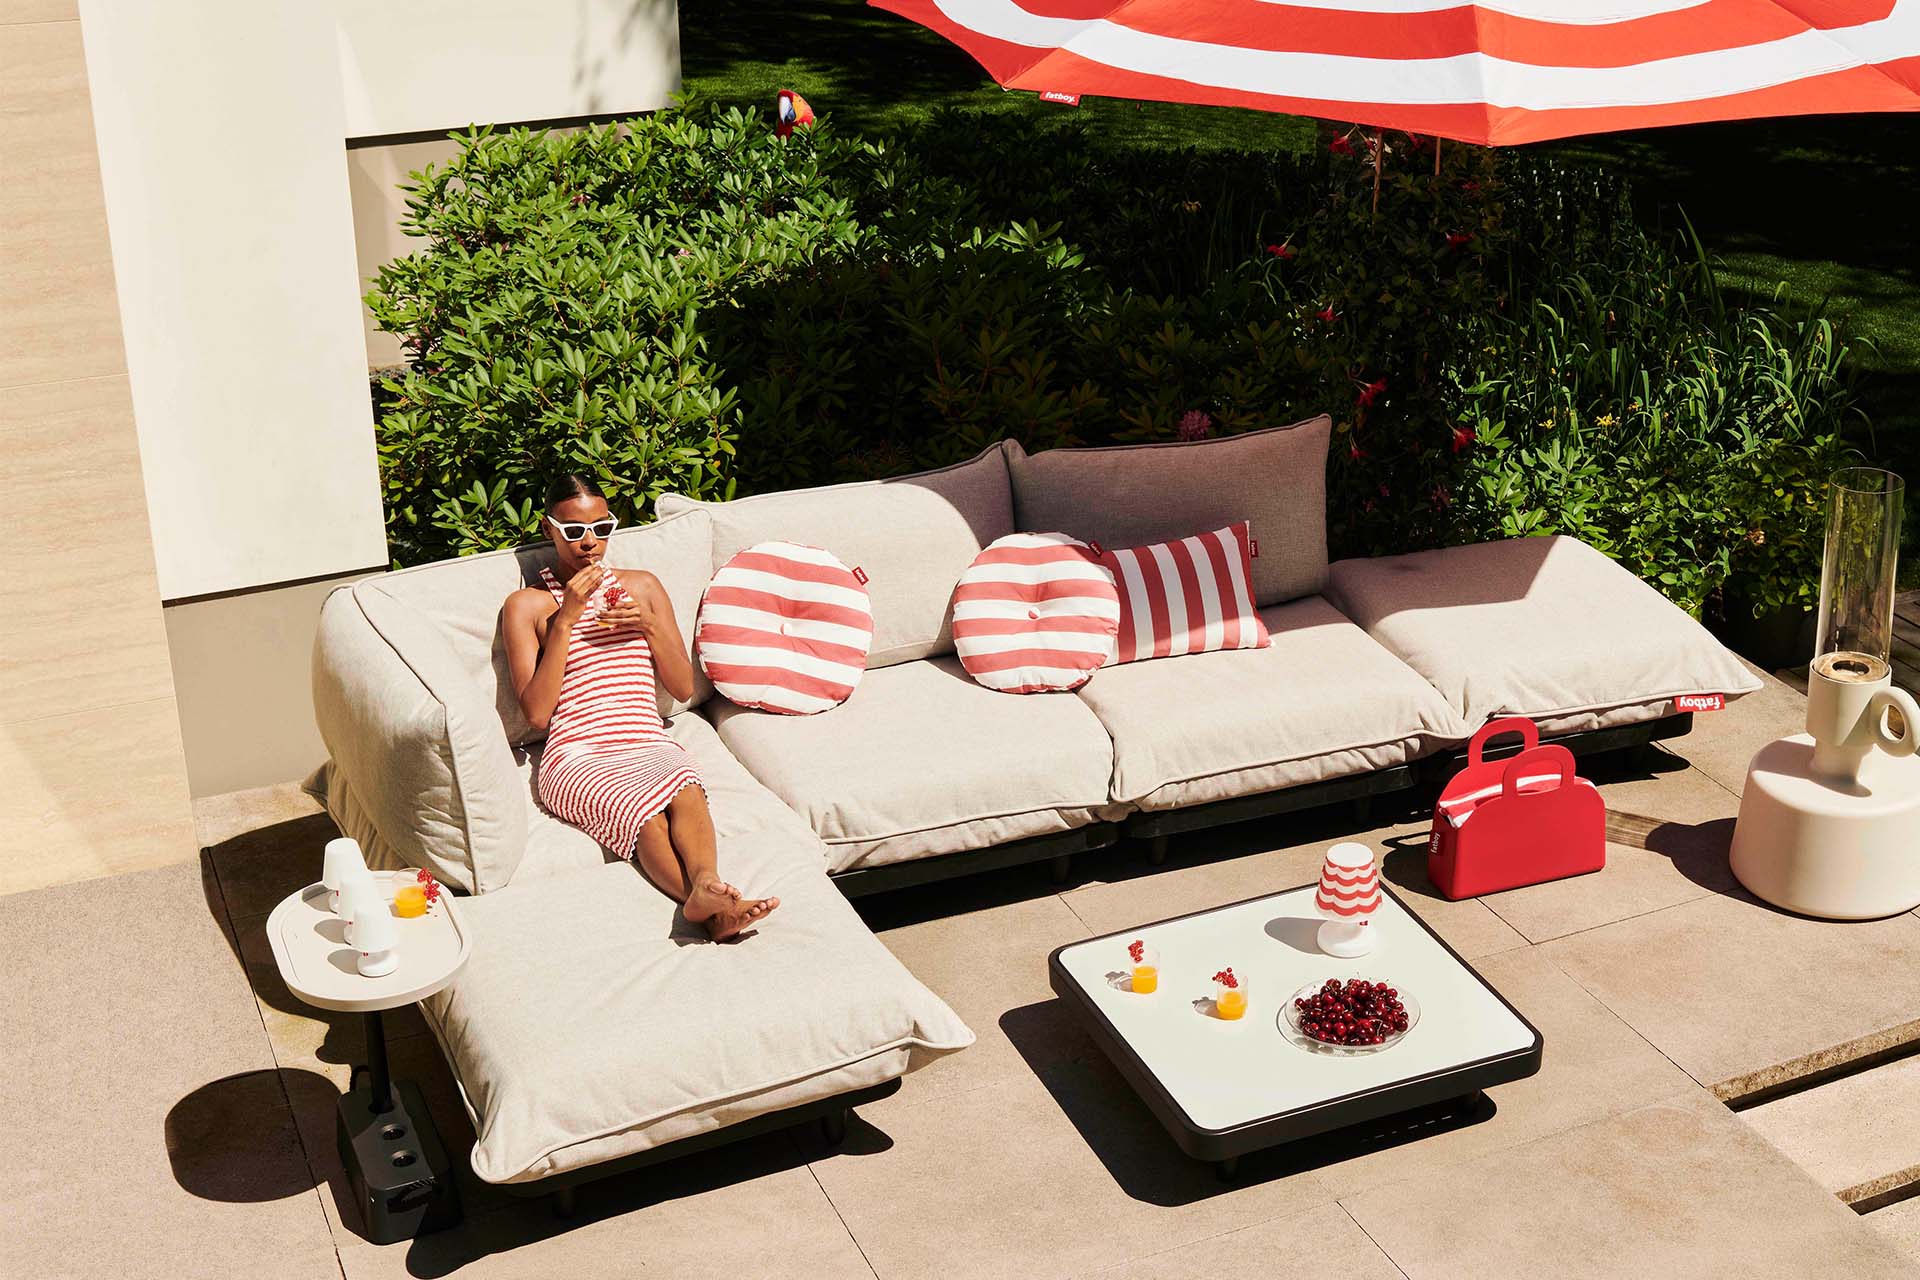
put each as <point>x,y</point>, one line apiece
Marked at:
<point>1859,1135</point>
<point>1900,1223</point>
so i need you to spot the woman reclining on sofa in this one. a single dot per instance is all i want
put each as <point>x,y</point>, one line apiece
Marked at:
<point>581,649</point>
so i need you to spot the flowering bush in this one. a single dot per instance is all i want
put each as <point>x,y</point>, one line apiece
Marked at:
<point>691,303</point>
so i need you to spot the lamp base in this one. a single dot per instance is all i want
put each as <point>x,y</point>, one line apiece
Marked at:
<point>1345,939</point>
<point>1828,848</point>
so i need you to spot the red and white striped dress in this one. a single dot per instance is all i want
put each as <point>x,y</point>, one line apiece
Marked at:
<point>609,766</point>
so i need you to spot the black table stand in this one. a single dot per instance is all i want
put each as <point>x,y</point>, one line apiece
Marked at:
<point>394,1160</point>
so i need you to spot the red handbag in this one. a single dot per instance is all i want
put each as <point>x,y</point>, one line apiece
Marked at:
<point>1506,823</point>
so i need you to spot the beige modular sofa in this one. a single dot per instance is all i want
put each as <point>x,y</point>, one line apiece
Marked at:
<point>591,1031</point>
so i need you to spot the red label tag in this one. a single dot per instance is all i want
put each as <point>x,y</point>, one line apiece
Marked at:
<point>1253,548</point>
<point>1064,99</point>
<point>860,575</point>
<point>1095,548</point>
<point>1700,702</point>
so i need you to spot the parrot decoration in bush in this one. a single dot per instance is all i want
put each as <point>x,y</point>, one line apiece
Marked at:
<point>790,112</point>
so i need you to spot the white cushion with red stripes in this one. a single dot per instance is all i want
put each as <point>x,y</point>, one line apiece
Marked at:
<point>1191,595</point>
<point>784,628</point>
<point>1035,613</point>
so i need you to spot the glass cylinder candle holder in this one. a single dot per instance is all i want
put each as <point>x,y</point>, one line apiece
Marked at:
<point>1854,629</point>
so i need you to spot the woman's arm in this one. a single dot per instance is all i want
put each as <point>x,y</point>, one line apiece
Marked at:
<point>652,612</point>
<point>537,643</point>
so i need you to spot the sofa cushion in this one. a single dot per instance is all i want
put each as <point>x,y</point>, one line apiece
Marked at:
<point>591,1022</point>
<point>1322,701</point>
<point>913,536</point>
<point>1185,596</point>
<point>1542,627</point>
<point>923,761</point>
<point>784,628</point>
<point>1035,613</point>
<point>1131,494</point>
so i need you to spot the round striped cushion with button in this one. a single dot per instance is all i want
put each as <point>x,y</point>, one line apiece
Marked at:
<point>1035,613</point>
<point>784,628</point>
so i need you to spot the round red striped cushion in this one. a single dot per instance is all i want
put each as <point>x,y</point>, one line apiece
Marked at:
<point>784,628</point>
<point>1035,613</point>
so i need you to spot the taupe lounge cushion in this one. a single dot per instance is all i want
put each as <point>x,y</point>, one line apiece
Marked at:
<point>1133,494</point>
<point>413,698</point>
<point>591,1023</point>
<point>1323,701</point>
<point>921,760</point>
<point>913,536</point>
<point>1542,627</point>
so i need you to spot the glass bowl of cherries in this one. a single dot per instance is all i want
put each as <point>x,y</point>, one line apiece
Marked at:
<point>1347,1019</point>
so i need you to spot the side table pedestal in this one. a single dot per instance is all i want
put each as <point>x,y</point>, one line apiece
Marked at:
<point>392,1153</point>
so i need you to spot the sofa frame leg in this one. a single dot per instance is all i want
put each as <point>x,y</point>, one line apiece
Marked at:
<point>1060,868</point>
<point>565,1201</point>
<point>833,1126</point>
<point>1156,850</point>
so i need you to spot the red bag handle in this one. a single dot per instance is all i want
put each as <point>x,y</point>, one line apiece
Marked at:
<point>1529,735</point>
<point>1557,756</point>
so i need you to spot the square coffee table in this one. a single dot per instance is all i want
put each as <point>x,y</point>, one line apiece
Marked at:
<point>1223,1089</point>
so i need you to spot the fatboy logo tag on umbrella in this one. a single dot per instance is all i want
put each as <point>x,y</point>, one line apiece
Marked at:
<point>1064,99</point>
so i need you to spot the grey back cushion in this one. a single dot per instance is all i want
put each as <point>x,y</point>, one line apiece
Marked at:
<point>463,599</point>
<point>1131,494</point>
<point>913,536</point>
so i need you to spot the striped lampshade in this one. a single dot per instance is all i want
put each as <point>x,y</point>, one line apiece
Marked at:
<point>1349,884</point>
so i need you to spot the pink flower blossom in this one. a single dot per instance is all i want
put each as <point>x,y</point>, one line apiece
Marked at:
<point>1195,424</point>
<point>1462,437</point>
<point>1340,146</point>
<point>1459,240</point>
<point>1281,251</point>
<point>1354,451</point>
<point>1442,497</point>
<point>1327,314</point>
<point>1370,392</point>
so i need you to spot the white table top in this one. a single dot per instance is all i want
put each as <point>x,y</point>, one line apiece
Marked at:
<point>1226,1074</point>
<point>309,944</point>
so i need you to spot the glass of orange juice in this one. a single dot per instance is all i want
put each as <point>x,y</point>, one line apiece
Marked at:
<point>410,900</point>
<point>1229,995</point>
<point>1144,968</point>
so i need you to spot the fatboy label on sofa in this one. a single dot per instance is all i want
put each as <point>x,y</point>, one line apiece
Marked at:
<point>860,575</point>
<point>1700,702</point>
<point>1253,548</point>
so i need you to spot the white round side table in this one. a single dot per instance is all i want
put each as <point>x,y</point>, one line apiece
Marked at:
<point>393,1155</point>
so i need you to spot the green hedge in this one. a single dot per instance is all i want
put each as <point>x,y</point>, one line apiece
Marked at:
<point>688,303</point>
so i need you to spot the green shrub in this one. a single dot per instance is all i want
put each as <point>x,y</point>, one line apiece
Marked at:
<point>689,303</point>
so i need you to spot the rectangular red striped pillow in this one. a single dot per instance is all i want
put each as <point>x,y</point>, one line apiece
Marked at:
<point>1191,595</point>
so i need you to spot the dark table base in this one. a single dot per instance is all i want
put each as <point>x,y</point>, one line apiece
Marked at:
<point>395,1163</point>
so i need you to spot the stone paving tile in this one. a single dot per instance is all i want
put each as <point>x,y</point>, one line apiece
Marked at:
<point>1326,1236</point>
<point>147,1132</point>
<point>1723,742</point>
<point>218,819</point>
<point>1592,1065</point>
<point>1033,1179</point>
<point>1670,834</point>
<point>302,1035</point>
<point>1469,927</point>
<point>1851,1131</point>
<point>1900,1224</point>
<point>752,1209</point>
<point>1677,1188</point>
<point>983,964</point>
<point>259,867</point>
<point>1725,986</point>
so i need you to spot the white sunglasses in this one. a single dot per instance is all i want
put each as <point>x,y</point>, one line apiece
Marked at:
<point>573,532</point>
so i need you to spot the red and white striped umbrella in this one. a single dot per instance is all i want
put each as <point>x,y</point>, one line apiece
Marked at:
<point>1518,71</point>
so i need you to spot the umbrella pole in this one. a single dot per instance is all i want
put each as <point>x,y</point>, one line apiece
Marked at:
<point>1379,151</point>
<point>1436,155</point>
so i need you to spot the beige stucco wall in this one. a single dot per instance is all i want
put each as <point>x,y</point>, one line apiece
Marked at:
<point>92,779</point>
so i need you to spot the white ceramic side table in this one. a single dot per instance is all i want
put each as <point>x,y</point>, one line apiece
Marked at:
<point>393,1155</point>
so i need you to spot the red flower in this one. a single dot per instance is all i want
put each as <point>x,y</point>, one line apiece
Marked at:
<point>1281,251</point>
<point>1370,392</point>
<point>1326,313</point>
<point>1442,497</point>
<point>1340,146</point>
<point>1226,979</point>
<point>1459,240</point>
<point>1462,437</point>
<point>1384,491</point>
<point>1136,949</point>
<point>1469,185</point>
<point>1354,451</point>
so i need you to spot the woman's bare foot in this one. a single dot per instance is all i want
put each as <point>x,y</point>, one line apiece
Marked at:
<point>746,912</point>
<point>708,900</point>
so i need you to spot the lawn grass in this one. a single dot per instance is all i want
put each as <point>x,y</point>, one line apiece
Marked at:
<point>1823,205</point>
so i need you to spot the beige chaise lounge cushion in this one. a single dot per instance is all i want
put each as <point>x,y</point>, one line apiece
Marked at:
<point>1542,627</point>
<point>1322,702</point>
<point>1133,494</point>
<point>913,536</point>
<point>414,700</point>
<point>590,1023</point>
<point>921,761</point>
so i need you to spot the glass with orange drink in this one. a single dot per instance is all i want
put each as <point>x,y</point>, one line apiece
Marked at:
<point>1229,995</point>
<point>1144,968</point>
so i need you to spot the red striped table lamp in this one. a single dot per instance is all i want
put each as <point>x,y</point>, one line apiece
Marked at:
<point>1349,893</point>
